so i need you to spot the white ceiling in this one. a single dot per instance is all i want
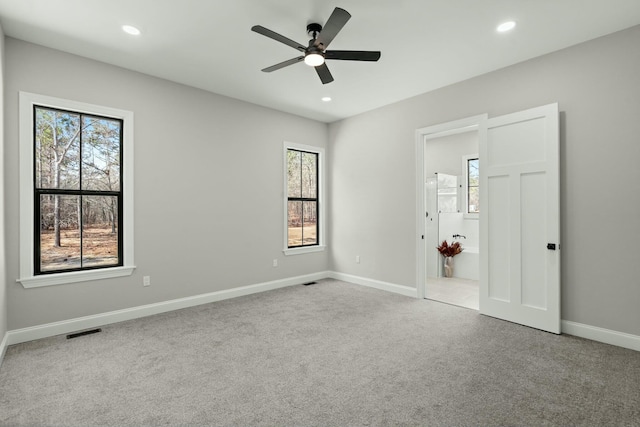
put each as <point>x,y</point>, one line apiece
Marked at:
<point>425,44</point>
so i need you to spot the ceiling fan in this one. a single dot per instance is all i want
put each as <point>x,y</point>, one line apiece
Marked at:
<point>316,53</point>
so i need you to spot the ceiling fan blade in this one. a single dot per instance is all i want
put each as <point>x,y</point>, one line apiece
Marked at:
<point>334,24</point>
<point>278,37</point>
<point>283,64</point>
<point>353,55</point>
<point>324,74</point>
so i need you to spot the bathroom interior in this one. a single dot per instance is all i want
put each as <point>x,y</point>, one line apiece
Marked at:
<point>452,212</point>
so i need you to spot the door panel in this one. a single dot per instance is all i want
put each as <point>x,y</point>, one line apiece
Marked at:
<point>533,232</point>
<point>516,144</point>
<point>499,262</point>
<point>520,277</point>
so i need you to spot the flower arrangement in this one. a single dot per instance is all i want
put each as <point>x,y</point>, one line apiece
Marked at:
<point>449,250</point>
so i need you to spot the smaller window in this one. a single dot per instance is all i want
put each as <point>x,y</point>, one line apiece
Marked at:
<point>472,184</point>
<point>303,199</point>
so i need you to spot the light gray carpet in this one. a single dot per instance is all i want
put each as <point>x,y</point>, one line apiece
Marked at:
<point>330,354</point>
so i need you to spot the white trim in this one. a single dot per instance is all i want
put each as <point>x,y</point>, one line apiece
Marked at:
<point>17,336</point>
<point>304,250</point>
<point>66,326</point>
<point>322,189</point>
<point>3,346</point>
<point>75,276</point>
<point>422,135</point>
<point>377,284</point>
<point>451,128</point>
<point>607,336</point>
<point>28,280</point>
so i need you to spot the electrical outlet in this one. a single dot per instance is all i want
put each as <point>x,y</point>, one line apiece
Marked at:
<point>146,281</point>
<point>275,262</point>
<point>357,259</point>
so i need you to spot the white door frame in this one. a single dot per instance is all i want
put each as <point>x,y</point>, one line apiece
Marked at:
<point>423,135</point>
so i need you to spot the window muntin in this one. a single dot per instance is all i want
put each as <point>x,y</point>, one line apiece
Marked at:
<point>473,185</point>
<point>78,199</point>
<point>302,198</point>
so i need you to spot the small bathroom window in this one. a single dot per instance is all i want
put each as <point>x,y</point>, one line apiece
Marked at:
<point>471,167</point>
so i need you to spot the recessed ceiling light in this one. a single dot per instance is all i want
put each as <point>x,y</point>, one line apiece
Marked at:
<point>130,29</point>
<point>326,98</point>
<point>506,26</point>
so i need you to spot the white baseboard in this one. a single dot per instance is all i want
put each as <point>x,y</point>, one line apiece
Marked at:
<point>606,336</point>
<point>72,325</point>
<point>385,286</point>
<point>17,336</point>
<point>3,346</point>
<point>593,333</point>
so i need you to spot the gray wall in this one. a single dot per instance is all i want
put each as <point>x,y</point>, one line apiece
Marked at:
<point>444,154</point>
<point>204,224</point>
<point>597,85</point>
<point>3,276</point>
<point>208,187</point>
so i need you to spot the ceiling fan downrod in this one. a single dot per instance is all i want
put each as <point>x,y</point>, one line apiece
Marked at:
<point>313,30</point>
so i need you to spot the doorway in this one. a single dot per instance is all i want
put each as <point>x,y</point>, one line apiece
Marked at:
<point>451,215</point>
<point>519,246</point>
<point>447,213</point>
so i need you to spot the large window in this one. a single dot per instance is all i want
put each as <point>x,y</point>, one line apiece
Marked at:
<point>78,197</point>
<point>75,175</point>
<point>303,202</point>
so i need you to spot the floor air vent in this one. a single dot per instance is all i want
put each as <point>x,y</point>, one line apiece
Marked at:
<point>80,334</point>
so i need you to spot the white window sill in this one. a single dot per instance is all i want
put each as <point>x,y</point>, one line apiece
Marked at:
<point>304,250</point>
<point>471,216</point>
<point>75,276</point>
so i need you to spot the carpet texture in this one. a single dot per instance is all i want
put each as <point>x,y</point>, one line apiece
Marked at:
<point>330,354</point>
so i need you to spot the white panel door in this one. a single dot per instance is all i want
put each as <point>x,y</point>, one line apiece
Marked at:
<point>520,218</point>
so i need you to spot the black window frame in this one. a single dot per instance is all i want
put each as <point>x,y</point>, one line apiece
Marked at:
<point>306,199</point>
<point>469,186</point>
<point>38,192</point>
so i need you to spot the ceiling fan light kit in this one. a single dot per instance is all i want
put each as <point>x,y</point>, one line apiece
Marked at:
<point>314,59</point>
<point>316,52</point>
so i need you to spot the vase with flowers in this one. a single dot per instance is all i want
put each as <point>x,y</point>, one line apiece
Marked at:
<point>448,251</point>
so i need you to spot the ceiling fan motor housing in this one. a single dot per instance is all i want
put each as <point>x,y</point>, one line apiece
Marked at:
<point>313,30</point>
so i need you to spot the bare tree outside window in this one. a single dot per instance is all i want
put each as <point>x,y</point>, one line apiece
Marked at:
<point>78,184</point>
<point>473,186</point>
<point>302,198</point>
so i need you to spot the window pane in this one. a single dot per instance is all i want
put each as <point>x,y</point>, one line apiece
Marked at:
<point>57,149</point>
<point>100,154</point>
<point>309,175</point>
<point>293,173</point>
<point>474,199</point>
<point>309,223</point>
<point>474,176</point>
<point>99,231</point>
<point>59,236</point>
<point>294,224</point>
